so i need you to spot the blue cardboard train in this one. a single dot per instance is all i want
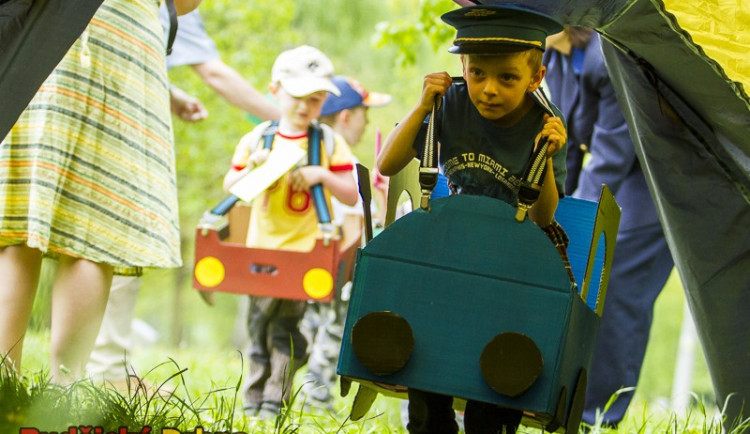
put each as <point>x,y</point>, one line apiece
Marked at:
<point>463,300</point>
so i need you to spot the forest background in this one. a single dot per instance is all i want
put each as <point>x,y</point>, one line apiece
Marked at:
<point>388,45</point>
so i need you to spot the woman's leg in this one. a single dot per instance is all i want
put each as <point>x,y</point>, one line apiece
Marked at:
<point>79,298</point>
<point>19,276</point>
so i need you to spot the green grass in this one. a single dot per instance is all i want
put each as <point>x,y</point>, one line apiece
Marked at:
<point>190,388</point>
<point>206,393</point>
<point>205,374</point>
<point>655,383</point>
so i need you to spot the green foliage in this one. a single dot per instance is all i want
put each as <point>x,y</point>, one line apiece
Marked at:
<point>41,313</point>
<point>424,26</point>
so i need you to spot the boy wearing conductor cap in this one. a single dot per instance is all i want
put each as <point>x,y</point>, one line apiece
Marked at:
<point>488,125</point>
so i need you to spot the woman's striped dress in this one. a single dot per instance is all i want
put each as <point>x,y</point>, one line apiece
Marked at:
<point>88,170</point>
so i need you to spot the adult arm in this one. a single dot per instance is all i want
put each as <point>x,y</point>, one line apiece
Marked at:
<point>612,151</point>
<point>185,106</point>
<point>231,86</point>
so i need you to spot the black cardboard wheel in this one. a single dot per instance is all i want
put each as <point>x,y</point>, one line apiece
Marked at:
<point>382,342</point>
<point>510,363</point>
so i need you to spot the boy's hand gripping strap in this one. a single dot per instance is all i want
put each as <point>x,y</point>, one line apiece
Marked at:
<point>428,167</point>
<point>533,177</point>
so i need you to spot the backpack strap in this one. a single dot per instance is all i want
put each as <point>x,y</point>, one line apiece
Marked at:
<point>314,158</point>
<point>267,135</point>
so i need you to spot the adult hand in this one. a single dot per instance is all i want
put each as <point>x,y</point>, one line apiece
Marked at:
<point>186,107</point>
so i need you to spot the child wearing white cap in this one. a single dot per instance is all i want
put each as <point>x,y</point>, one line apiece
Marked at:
<point>284,218</point>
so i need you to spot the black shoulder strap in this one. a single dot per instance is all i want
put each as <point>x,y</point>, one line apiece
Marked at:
<point>172,25</point>
<point>533,176</point>
<point>428,167</point>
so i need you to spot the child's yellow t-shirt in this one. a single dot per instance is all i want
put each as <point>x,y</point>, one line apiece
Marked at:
<point>282,218</point>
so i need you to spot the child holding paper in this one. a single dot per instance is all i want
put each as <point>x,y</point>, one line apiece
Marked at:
<point>283,217</point>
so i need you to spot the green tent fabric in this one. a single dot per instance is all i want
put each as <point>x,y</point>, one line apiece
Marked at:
<point>691,126</point>
<point>34,36</point>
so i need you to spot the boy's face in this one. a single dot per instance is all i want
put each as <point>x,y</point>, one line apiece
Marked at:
<point>299,111</point>
<point>353,125</point>
<point>498,84</point>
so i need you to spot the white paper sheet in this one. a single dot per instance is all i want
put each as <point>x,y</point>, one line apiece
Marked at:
<point>280,161</point>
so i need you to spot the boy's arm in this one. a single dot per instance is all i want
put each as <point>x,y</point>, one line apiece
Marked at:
<point>398,149</point>
<point>341,184</point>
<point>246,156</point>
<point>543,211</point>
<point>232,176</point>
<point>237,171</point>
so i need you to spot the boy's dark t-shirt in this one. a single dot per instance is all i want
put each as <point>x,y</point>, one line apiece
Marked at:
<point>481,158</point>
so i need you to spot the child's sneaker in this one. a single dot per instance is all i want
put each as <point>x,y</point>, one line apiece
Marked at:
<point>269,410</point>
<point>251,409</point>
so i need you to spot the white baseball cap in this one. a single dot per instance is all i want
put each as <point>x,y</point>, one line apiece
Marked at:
<point>304,70</point>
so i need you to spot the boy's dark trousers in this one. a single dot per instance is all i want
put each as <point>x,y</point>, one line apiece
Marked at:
<point>433,413</point>
<point>273,327</point>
